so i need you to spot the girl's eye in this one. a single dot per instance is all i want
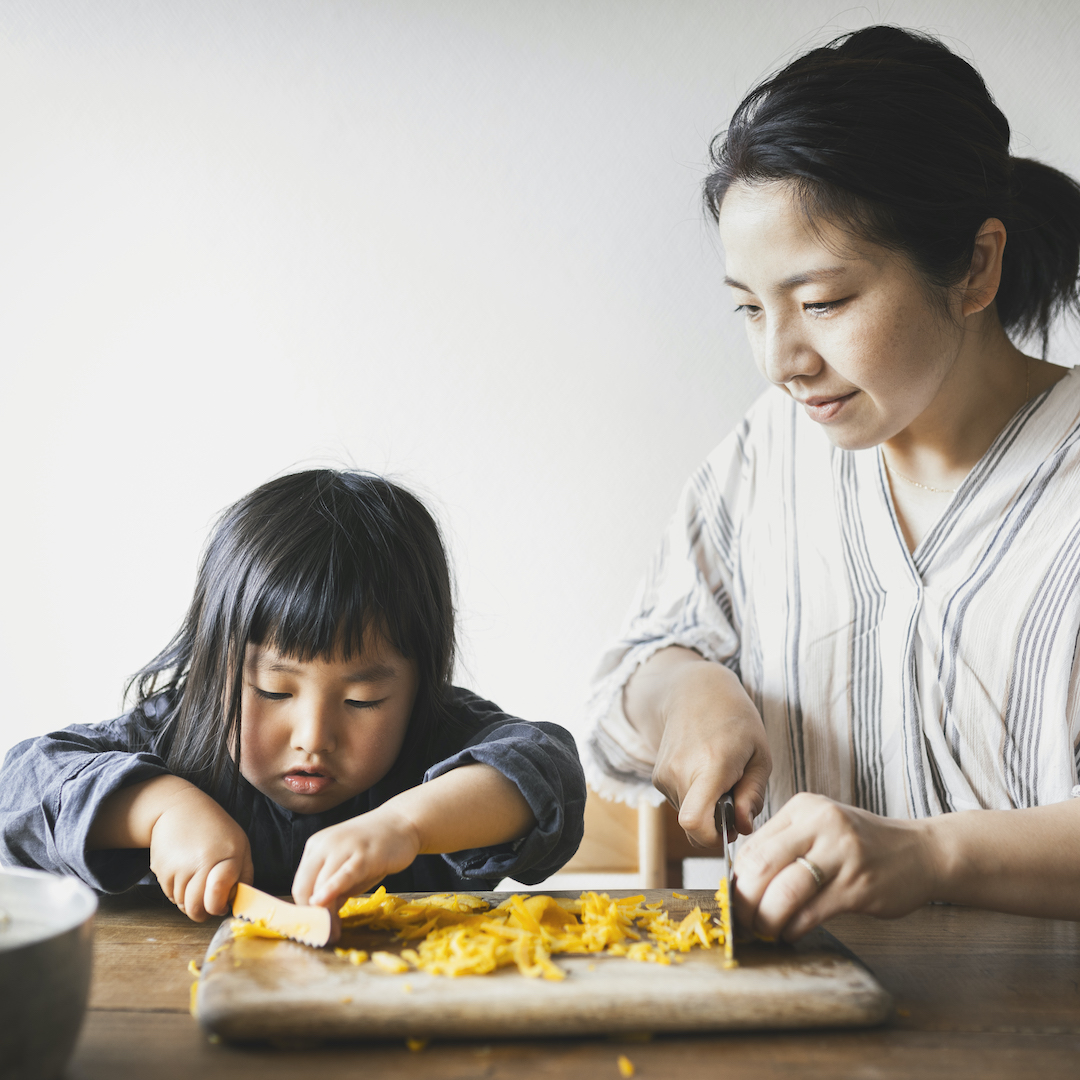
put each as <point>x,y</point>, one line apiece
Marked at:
<point>364,704</point>
<point>269,695</point>
<point>751,311</point>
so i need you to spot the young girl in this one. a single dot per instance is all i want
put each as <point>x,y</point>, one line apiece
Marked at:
<point>871,590</point>
<point>300,732</point>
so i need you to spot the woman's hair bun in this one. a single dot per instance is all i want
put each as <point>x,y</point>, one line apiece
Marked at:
<point>1042,262</point>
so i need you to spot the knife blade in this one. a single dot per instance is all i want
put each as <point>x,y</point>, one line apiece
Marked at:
<point>726,812</point>
<point>308,925</point>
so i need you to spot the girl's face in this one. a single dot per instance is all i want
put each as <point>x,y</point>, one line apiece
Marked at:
<point>853,337</point>
<point>315,733</point>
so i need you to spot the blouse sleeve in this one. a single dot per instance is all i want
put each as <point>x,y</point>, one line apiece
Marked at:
<point>689,597</point>
<point>51,789</point>
<point>542,761</point>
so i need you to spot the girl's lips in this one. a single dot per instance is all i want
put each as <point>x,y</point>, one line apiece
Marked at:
<point>825,409</point>
<point>307,783</point>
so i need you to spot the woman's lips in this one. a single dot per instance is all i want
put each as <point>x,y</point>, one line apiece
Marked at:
<point>305,783</point>
<point>825,409</point>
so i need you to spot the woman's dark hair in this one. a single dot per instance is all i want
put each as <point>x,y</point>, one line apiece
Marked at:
<point>309,564</point>
<point>894,138</point>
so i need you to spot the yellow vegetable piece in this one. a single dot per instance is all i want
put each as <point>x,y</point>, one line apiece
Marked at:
<point>626,1066</point>
<point>241,928</point>
<point>388,962</point>
<point>354,956</point>
<point>727,934</point>
<point>193,968</point>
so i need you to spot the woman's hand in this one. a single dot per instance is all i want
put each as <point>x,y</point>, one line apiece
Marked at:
<point>881,866</point>
<point>198,853</point>
<point>710,739</point>
<point>347,859</point>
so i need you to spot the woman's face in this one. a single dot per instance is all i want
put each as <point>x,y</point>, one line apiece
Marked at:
<point>853,337</point>
<point>317,732</point>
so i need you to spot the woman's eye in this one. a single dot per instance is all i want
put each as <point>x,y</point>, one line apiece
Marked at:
<point>751,311</point>
<point>826,307</point>
<point>269,695</point>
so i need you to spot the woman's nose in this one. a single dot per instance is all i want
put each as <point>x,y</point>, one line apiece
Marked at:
<point>787,354</point>
<point>313,731</point>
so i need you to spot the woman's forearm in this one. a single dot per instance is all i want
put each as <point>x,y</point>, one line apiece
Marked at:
<point>472,806</point>
<point>659,684</point>
<point>127,817</point>
<point>1022,861</point>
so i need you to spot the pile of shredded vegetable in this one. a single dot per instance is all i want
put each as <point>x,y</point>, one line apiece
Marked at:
<point>457,934</point>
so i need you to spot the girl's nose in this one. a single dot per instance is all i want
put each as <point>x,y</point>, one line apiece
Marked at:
<point>787,355</point>
<point>313,732</point>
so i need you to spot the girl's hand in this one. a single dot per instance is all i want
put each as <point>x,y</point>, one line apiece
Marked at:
<point>710,739</point>
<point>881,866</point>
<point>198,853</point>
<point>347,859</point>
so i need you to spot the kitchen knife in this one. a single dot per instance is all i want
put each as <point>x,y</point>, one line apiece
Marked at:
<point>308,925</point>
<point>725,811</point>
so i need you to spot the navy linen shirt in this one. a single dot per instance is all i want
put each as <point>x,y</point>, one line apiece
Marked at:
<point>51,788</point>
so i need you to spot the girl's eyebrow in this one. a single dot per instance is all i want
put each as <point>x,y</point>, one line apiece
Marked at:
<point>796,279</point>
<point>373,672</point>
<point>376,672</point>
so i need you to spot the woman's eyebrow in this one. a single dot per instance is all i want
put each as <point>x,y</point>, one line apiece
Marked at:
<point>806,278</point>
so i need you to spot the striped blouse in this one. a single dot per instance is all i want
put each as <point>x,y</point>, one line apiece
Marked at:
<point>906,684</point>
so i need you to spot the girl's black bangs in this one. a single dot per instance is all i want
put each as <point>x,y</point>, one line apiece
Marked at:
<point>322,610</point>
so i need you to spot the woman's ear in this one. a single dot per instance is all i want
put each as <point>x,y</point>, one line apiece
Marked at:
<point>984,276</point>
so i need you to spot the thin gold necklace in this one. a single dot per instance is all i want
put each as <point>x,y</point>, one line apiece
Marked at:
<point>952,491</point>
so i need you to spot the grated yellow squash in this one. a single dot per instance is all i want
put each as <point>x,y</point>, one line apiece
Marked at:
<point>455,934</point>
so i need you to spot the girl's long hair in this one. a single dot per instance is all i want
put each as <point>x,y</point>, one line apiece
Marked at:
<point>888,134</point>
<point>310,564</point>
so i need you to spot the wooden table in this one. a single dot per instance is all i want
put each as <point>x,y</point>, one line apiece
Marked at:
<point>977,995</point>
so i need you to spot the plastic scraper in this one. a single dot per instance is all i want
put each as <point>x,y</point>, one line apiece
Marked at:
<point>308,925</point>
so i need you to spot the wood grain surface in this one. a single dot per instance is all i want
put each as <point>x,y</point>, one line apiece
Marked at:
<point>976,995</point>
<point>258,989</point>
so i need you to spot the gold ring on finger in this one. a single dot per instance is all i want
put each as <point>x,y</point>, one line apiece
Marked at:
<point>815,870</point>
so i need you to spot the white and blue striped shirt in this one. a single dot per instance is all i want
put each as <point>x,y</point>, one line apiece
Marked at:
<point>906,684</point>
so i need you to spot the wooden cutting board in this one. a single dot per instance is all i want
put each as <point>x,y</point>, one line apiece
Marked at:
<point>264,990</point>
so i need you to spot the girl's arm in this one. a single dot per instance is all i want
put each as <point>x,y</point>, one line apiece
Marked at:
<point>51,789</point>
<point>1021,861</point>
<point>472,806</point>
<point>197,851</point>
<point>708,736</point>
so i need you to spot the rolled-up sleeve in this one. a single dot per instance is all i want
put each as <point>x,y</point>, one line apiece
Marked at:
<point>690,597</point>
<point>51,789</point>
<point>542,761</point>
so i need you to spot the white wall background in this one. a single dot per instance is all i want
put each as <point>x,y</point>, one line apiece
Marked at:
<point>456,241</point>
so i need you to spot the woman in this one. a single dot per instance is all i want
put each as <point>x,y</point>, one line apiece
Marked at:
<point>869,591</point>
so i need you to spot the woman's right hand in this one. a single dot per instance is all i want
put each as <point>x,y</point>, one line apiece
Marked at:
<point>709,737</point>
<point>198,853</point>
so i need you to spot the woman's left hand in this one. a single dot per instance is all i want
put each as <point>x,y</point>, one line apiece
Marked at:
<point>880,866</point>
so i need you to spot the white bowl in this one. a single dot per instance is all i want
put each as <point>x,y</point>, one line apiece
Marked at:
<point>46,950</point>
